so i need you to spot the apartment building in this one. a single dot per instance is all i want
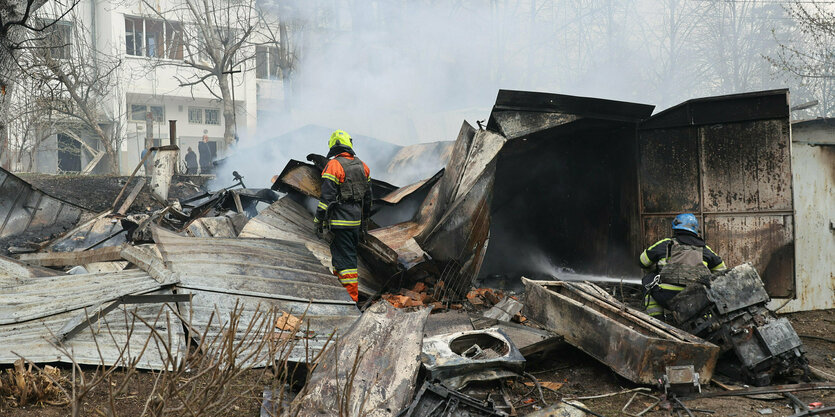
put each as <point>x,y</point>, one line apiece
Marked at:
<point>153,46</point>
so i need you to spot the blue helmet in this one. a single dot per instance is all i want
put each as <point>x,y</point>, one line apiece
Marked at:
<point>686,221</point>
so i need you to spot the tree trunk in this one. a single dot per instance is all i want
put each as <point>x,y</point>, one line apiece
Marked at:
<point>228,109</point>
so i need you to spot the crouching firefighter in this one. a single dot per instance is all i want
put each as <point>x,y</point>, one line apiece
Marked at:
<point>675,262</point>
<point>344,207</point>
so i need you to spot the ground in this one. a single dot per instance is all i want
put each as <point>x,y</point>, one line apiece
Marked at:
<point>96,192</point>
<point>580,375</point>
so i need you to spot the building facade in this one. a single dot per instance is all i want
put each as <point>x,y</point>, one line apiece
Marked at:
<point>154,81</point>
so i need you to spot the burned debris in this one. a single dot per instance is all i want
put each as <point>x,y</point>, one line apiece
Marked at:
<point>244,267</point>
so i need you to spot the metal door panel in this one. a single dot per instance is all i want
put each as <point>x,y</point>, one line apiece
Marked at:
<point>743,185</point>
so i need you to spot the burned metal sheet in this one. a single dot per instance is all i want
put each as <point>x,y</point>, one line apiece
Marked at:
<point>636,346</point>
<point>23,208</point>
<point>110,335</point>
<point>13,272</point>
<point>101,231</point>
<point>452,225</point>
<point>256,274</point>
<point>302,177</point>
<point>399,194</point>
<point>727,160</point>
<point>40,297</point>
<point>288,220</point>
<point>517,113</point>
<point>228,225</point>
<point>387,342</point>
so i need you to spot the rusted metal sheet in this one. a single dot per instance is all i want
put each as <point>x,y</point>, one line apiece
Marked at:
<point>813,169</point>
<point>636,346</point>
<point>727,160</point>
<point>288,220</point>
<point>35,298</point>
<point>102,343</point>
<point>301,177</point>
<point>71,258</point>
<point>23,208</point>
<point>253,274</point>
<point>386,343</point>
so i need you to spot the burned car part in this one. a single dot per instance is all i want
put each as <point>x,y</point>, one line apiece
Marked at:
<point>731,312</point>
<point>455,359</point>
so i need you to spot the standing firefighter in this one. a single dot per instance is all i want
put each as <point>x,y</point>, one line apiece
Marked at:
<point>344,207</point>
<point>675,262</point>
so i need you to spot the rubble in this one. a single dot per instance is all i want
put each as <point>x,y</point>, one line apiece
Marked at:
<point>369,370</point>
<point>184,268</point>
<point>455,359</point>
<point>634,345</point>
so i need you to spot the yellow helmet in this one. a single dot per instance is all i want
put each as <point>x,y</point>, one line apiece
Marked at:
<point>340,137</point>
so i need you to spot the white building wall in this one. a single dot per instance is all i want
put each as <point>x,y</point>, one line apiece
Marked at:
<point>145,81</point>
<point>813,172</point>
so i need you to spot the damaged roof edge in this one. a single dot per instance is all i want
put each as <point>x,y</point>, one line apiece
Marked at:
<point>757,105</point>
<point>597,108</point>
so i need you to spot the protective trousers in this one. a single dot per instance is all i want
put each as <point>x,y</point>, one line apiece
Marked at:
<point>344,258</point>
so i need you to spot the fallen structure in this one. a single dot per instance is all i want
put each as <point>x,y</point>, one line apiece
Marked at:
<point>532,183</point>
<point>633,344</point>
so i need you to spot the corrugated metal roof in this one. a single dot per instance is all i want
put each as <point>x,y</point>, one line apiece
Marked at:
<point>24,208</point>
<point>253,274</point>
<point>89,233</point>
<point>287,220</point>
<point>33,298</point>
<point>31,338</point>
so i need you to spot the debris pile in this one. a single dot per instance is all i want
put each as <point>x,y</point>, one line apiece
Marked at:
<point>202,269</point>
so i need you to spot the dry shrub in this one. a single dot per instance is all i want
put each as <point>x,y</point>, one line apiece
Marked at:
<point>30,384</point>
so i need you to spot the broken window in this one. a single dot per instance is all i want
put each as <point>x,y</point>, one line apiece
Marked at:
<point>174,40</point>
<point>153,38</point>
<point>134,36</point>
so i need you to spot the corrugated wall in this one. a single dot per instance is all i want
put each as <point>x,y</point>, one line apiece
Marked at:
<point>813,170</point>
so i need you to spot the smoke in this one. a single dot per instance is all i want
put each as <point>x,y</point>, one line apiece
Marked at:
<point>405,72</point>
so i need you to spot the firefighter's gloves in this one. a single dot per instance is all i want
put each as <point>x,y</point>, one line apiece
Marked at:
<point>705,280</point>
<point>319,227</point>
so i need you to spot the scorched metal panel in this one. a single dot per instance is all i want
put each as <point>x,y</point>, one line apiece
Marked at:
<point>741,188</point>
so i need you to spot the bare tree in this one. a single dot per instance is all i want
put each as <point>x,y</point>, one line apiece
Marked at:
<point>806,54</point>
<point>15,21</point>
<point>218,39</point>
<point>74,83</point>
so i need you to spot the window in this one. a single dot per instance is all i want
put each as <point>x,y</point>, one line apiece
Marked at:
<point>57,36</point>
<point>212,117</point>
<point>195,115</point>
<point>199,115</point>
<point>138,111</point>
<point>266,63</point>
<point>153,38</point>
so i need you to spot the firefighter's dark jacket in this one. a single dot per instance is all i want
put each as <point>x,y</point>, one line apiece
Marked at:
<point>657,254</point>
<point>342,214</point>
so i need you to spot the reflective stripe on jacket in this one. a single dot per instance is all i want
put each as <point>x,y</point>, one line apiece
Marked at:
<point>656,255</point>
<point>341,215</point>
